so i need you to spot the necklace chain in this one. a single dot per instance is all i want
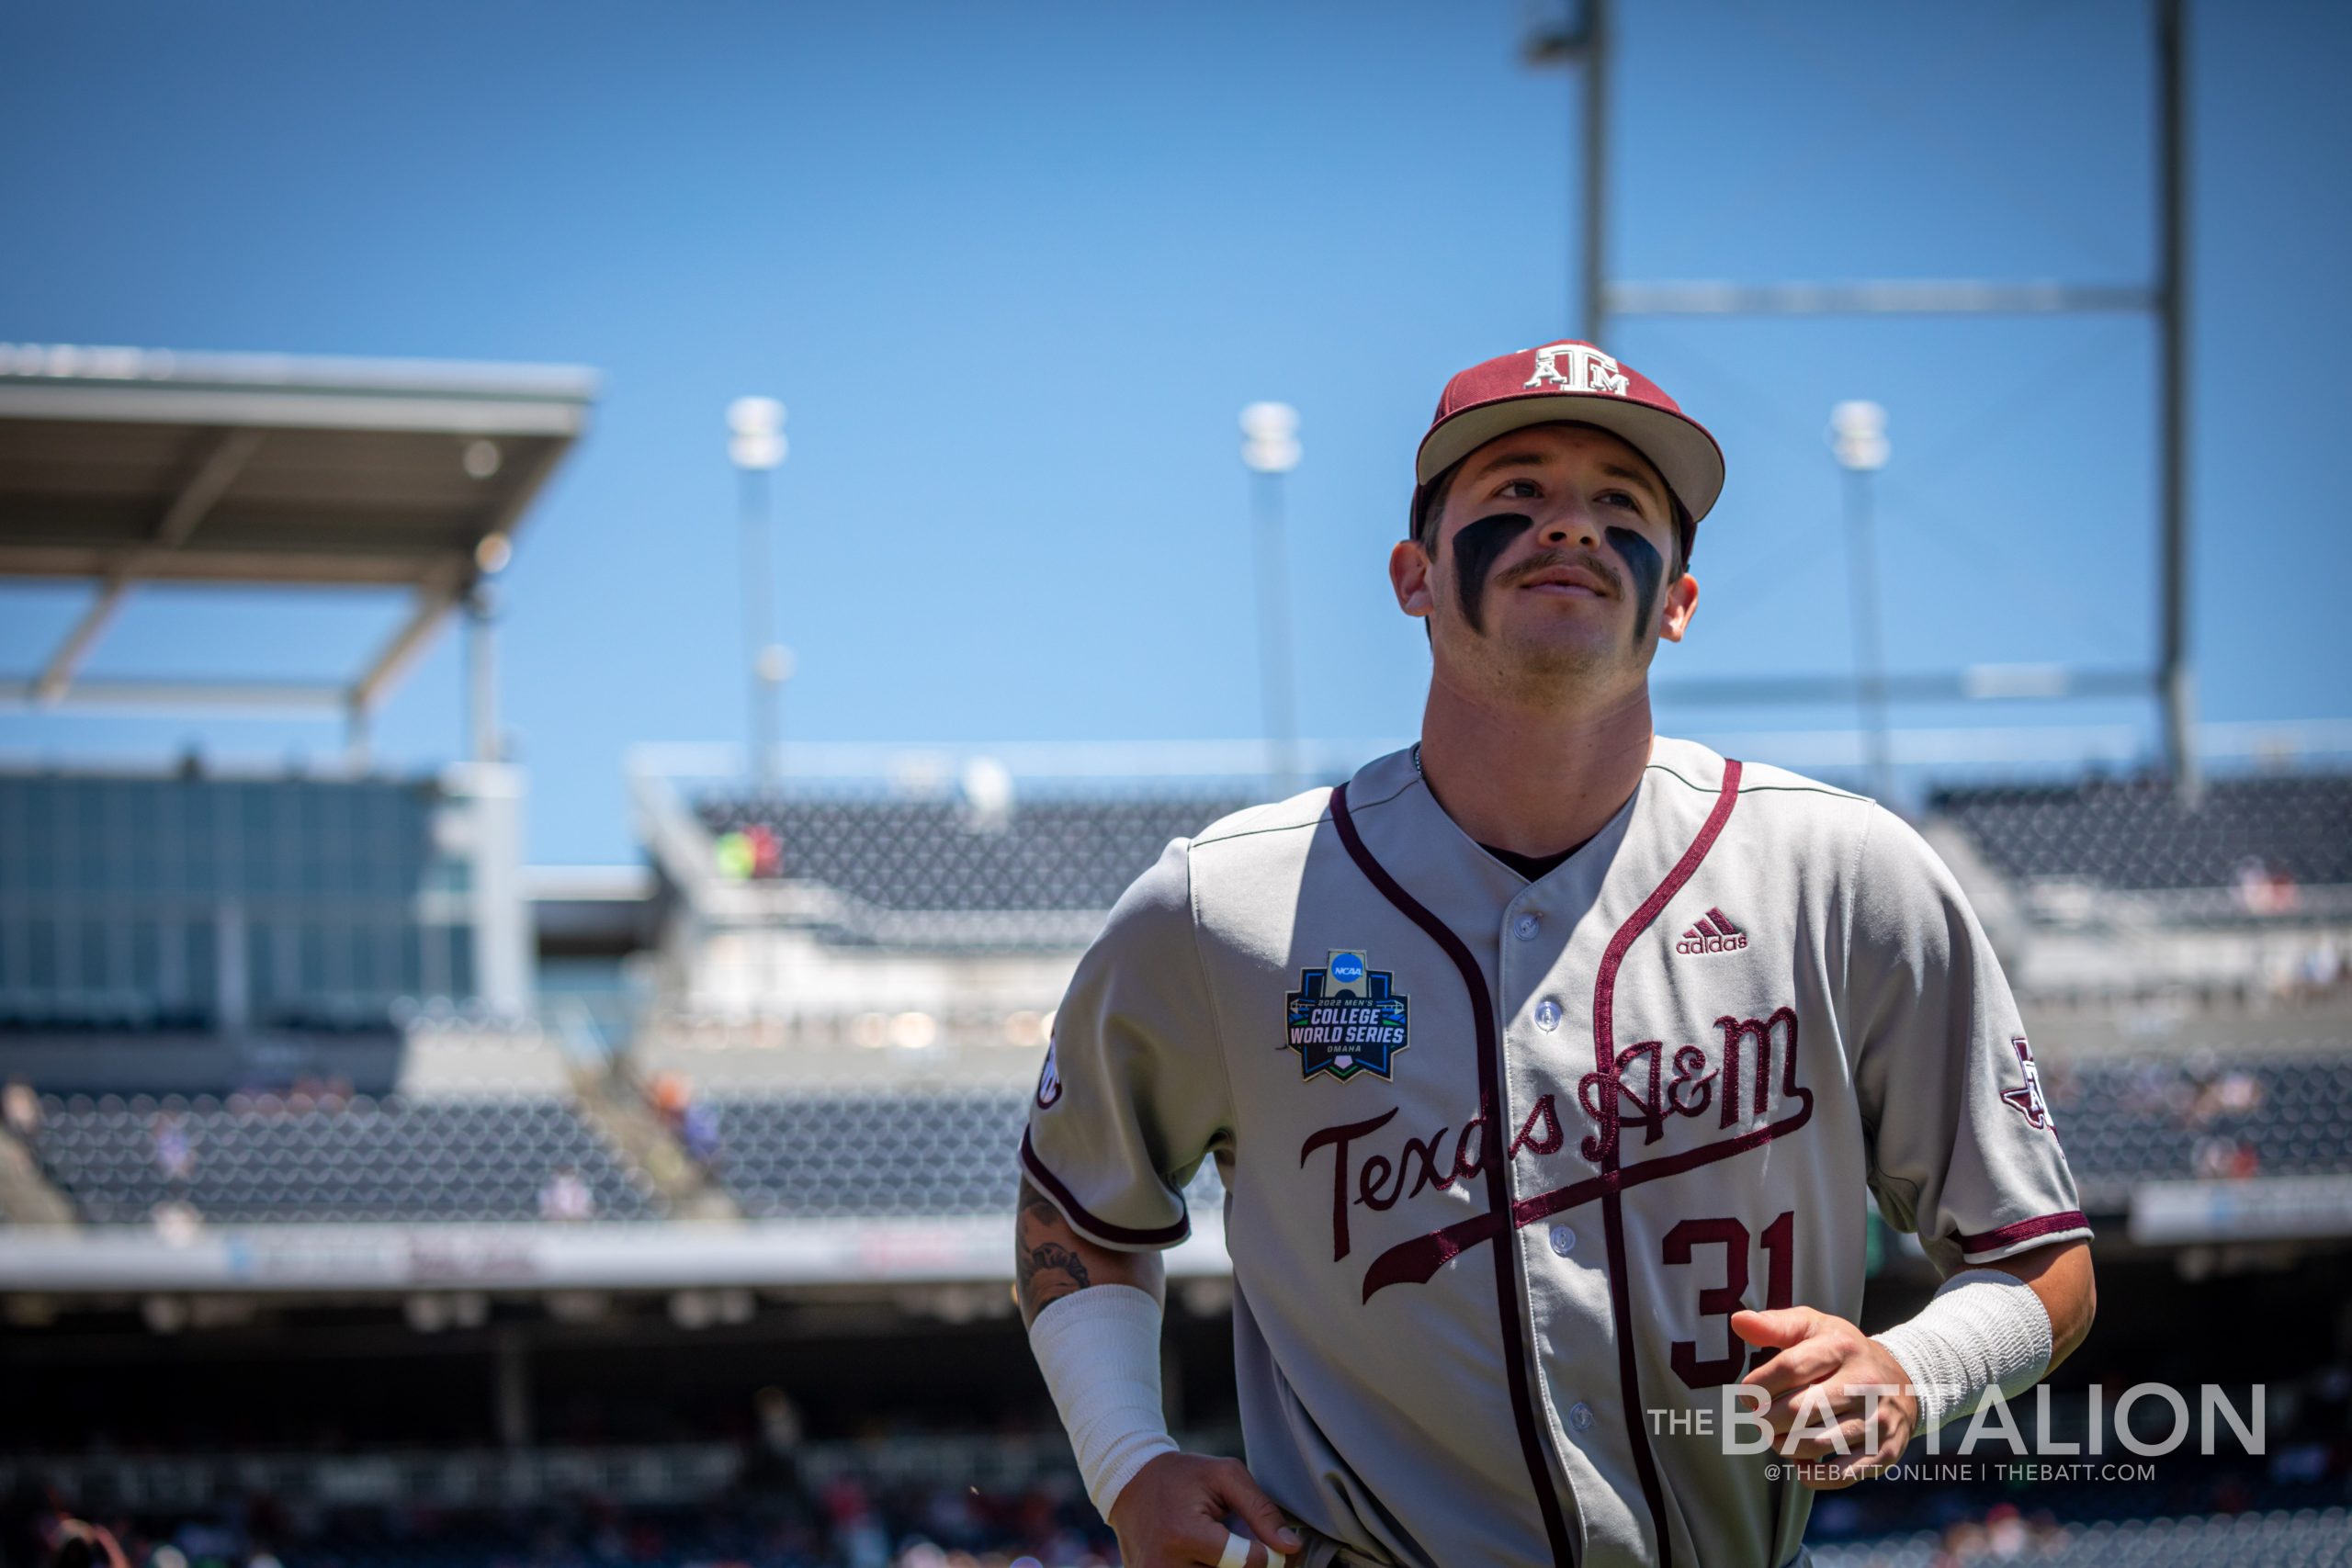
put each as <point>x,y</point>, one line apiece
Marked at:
<point>1417,763</point>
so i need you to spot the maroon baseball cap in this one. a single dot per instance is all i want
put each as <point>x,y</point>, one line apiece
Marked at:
<point>1573,381</point>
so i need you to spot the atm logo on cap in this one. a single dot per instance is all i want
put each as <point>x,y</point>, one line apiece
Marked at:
<point>1587,370</point>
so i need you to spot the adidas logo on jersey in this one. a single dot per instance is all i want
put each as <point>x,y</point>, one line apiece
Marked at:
<point>1713,932</point>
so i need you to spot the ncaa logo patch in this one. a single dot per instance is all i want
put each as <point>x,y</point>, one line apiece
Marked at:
<point>1346,1017</point>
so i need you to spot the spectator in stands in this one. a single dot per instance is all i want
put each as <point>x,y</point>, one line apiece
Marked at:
<point>567,1196</point>
<point>21,1106</point>
<point>2266,887</point>
<point>78,1544</point>
<point>857,1532</point>
<point>698,1130</point>
<point>672,1094</point>
<point>322,1093</point>
<point>2227,1159</point>
<point>2150,1089</point>
<point>2323,967</point>
<point>771,1480</point>
<point>174,1155</point>
<point>2005,1531</point>
<point>177,1221</point>
<point>2224,1094</point>
<point>2236,1093</point>
<point>25,1514</point>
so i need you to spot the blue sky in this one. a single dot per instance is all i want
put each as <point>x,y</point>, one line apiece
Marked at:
<point>1014,269</point>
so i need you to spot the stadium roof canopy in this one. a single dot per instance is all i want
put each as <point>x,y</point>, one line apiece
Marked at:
<point>122,466</point>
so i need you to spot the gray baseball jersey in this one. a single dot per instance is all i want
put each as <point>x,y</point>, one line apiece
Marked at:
<point>1502,1157</point>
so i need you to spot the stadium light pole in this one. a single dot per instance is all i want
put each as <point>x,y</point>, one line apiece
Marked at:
<point>755,443</point>
<point>481,673</point>
<point>1858,440</point>
<point>1269,449</point>
<point>490,557</point>
<point>2175,678</point>
<point>1577,31</point>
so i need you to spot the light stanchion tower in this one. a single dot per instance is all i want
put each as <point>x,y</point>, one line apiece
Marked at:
<point>1558,31</point>
<point>1270,448</point>
<point>483,740</point>
<point>1858,440</point>
<point>756,445</point>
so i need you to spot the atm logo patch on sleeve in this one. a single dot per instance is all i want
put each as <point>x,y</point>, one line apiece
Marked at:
<point>2028,1099</point>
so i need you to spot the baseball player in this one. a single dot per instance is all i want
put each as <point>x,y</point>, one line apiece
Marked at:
<point>1547,1065</point>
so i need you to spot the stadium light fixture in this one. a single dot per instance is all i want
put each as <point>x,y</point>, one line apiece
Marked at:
<point>1858,435</point>
<point>1858,440</point>
<point>1270,437</point>
<point>756,444</point>
<point>1269,449</point>
<point>755,433</point>
<point>987,794</point>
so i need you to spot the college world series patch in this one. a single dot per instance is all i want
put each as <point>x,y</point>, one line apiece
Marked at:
<point>1346,1017</point>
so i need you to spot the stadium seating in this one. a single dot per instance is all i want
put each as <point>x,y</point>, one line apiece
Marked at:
<point>2127,1122</point>
<point>263,1158</point>
<point>2305,1538</point>
<point>2134,835</point>
<point>907,1527</point>
<point>929,1153</point>
<point>940,1152</point>
<point>937,1152</point>
<point>940,855</point>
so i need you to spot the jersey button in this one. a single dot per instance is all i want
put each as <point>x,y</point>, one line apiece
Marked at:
<point>1547,1015</point>
<point>1527,927</point>
<point>1563,1240</point>
<point>1580,1416</point>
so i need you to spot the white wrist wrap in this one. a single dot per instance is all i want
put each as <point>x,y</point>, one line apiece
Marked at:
<point>1099,1349</point>
<point>1984,1329</point>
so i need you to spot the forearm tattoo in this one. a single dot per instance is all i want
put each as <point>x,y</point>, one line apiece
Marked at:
<point>1046,1263</point>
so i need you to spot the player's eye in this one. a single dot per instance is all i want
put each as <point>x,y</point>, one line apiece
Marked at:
<point>1526,488</point>
<point>1620,497</point>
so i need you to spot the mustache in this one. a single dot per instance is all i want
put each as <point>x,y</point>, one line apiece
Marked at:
<point>1547,559</point>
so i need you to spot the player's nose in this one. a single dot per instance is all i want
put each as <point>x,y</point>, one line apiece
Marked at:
<point>1569,523</point>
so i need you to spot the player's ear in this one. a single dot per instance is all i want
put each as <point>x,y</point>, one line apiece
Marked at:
<point>1682,603</point>
<point>1409,574</point>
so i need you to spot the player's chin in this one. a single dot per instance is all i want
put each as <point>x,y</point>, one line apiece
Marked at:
<point>1587,631</point>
